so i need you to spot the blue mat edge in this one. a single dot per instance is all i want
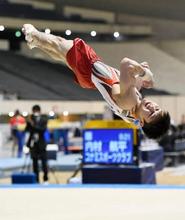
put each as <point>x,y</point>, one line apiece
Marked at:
<point>95,186</point>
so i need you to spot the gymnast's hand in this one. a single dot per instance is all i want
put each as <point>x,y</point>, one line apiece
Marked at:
<point>148,80</point>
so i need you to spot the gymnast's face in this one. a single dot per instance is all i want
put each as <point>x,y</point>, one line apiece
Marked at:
<point>148,111</point>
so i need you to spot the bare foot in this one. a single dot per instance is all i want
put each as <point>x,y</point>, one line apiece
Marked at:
<point>30,31</point>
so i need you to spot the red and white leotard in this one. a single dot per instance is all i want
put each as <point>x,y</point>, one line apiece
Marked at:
<point>91,72</point>
<point>104,77</point>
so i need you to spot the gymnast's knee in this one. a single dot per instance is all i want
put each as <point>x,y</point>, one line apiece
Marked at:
<point>60,45</point>
<point>58,42</point>
<point>63,45</point>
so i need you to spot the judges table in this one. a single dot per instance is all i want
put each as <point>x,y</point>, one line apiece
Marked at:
<point>111,154</point>
<point>142,174</point>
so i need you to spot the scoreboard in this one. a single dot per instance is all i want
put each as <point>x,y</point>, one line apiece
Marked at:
<point>108,146</point>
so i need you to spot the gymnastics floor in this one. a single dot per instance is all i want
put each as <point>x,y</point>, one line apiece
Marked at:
<point>92,202</point>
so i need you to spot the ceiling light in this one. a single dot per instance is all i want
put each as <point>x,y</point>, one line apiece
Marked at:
<point>116,34</point>
<point>93,33</point>
<point>2,28</point>
<point>47,31</point>
<point>11,114</point>
<point>68,32</point>
<point>65,113</point>
<point>18,34</point>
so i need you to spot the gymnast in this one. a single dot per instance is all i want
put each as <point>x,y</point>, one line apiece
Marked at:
<point>120,89</point>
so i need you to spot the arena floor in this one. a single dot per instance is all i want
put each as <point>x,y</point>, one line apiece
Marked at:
<point>164,201</point>
<point>93,203</point>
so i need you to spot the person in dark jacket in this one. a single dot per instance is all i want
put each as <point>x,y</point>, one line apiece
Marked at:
<point>36,126</point>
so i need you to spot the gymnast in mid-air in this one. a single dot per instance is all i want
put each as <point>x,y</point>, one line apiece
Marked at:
<point>119,88</point>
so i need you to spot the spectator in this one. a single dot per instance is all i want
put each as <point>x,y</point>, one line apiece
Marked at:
<point>36,126</point>
<point>16,121</point>
<point>167,141</point>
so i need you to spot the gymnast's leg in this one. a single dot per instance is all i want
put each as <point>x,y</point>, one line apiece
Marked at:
<point>55,46</point>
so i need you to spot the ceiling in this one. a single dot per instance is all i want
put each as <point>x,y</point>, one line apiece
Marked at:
<point>167,9</point>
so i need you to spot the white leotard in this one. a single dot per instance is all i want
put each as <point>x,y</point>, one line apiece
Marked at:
<point>104,77</point>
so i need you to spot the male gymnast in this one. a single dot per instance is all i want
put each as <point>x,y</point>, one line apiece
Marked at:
<point>120,89</point>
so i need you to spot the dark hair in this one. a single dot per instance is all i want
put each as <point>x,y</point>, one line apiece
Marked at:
<point>158,128</point>
<point>17,112</point>
<point>36,108</point>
